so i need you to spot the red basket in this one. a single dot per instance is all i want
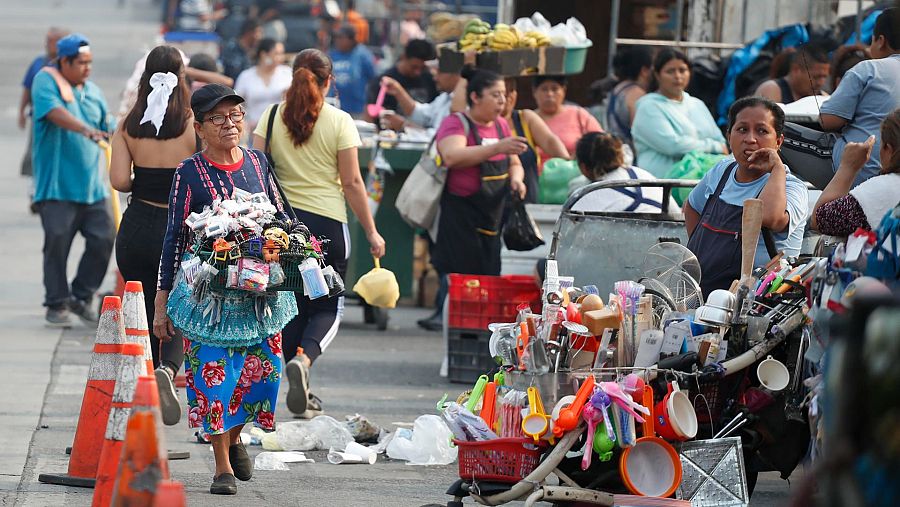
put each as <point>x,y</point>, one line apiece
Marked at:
<point>478,300</point>
<point>498,460</point>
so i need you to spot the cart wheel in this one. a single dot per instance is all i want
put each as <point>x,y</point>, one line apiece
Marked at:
<point>381,318</point>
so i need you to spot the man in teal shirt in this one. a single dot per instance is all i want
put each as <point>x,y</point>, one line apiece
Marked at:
<point>70,190</point>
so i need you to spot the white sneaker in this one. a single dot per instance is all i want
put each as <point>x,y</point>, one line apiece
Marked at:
<point>168,397</point>
<point>298,385</point>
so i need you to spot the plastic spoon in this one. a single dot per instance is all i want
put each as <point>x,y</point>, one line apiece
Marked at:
<point>488,406</point>
<point>568,417</point>
<point>536,422</point>
<point>592,415</point>
<point>477,393</point>
<point>624,400</point>
<point>375,109</point>
<point>602,401</point>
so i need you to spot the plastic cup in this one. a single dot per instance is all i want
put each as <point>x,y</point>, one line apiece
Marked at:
<point>773,375</point>
<point>367,454</point>
<point>344,458</point>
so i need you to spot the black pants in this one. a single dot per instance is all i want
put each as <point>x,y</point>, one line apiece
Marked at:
<point>316,325</point>
<point>138,249</point>
<point>61,221</point>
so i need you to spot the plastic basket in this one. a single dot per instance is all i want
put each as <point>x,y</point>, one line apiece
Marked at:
<point>293,280</point>
<point>498,460</point>
<point>478,300</point>
<point>468,355</point>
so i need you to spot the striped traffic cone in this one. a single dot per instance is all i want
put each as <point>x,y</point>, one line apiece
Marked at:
<point>95,404</point>
<point>142,465</point>
<point>135,312</point>
<point>130,368</point>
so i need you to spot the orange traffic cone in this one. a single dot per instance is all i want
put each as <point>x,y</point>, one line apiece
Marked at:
<point>95,404</point>
<point>135,312</point>
<point>142,466</point>
<point>130,369</point>
<point>170,494</point>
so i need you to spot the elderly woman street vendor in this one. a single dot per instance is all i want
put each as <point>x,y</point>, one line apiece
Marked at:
<point>232,341</point>
<point>713,211</point>
<point>483,161</point>
<point>839,210</point>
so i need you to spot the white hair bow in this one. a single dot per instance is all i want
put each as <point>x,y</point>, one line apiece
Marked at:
<point>162,85</point>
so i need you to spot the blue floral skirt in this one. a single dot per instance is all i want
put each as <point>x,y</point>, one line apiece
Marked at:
<point>229,387</point>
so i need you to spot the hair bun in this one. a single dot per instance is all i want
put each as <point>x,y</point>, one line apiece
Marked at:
<point>468,71</point>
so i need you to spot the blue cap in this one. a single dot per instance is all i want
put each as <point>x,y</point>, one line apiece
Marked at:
<point>71,45</point>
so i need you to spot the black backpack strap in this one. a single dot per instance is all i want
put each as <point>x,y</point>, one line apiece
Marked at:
<point>769,240</point>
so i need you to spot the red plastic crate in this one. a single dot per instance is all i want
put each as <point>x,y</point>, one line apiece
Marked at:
<point>499,460</point>
<point>478,300</point>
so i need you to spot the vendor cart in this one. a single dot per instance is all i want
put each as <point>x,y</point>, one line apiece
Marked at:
<point>740,430</point>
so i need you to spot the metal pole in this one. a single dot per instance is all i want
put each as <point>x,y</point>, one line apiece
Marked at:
<point>613,35</point>
<point>679,19</point>
<point>743,21</point>
<point>859,11</point>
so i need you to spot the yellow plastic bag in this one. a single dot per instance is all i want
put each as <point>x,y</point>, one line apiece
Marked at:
<point>378,287</point>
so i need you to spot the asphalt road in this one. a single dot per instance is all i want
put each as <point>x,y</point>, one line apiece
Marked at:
<point>390,377</point>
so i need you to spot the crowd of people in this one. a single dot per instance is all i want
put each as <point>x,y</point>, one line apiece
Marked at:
<point>186,138</point>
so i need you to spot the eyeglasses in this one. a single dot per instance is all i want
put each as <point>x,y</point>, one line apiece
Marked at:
<point>219,119</point>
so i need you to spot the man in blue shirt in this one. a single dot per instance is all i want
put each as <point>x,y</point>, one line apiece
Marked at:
<point>867,93</point>
<point>70,189</point>
<point>354,66</point>
<point>53,35</point>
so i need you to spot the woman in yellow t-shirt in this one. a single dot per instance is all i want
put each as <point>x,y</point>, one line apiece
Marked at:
<point>313,146</point>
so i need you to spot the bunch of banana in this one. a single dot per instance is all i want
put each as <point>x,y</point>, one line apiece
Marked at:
<point>503,37</point>
<point>475,35</point>
<point>534,39</point>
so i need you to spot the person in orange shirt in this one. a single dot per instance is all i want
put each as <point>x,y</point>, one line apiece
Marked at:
<point>568,121</point>
<point>358,21</point>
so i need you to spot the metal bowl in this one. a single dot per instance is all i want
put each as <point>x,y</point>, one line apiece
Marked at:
<point>721,299</point>
<point>712,315</point>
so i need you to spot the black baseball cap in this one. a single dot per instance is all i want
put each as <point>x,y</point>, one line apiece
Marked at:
<point>208,97</point>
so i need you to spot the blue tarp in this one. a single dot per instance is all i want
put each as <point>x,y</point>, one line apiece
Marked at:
<point>792,35</point>
<point>866,27</point>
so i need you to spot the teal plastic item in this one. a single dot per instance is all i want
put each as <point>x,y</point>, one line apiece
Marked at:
<point>575,58</point>
<point>554,180</point>
<point>692,166</point>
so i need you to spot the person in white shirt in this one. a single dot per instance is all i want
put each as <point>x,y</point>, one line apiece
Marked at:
<point>601,157</point>
<point>428,115</point>
<point>263,84</point>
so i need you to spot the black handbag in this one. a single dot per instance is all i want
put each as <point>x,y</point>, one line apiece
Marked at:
<point>520,232</point>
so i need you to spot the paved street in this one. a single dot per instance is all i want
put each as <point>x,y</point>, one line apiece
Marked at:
<point>387,376</point>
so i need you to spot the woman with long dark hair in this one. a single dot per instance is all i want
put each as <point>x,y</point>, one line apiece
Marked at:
<point>669,123</point>
<point>313,146</point>
<point>155,136</point>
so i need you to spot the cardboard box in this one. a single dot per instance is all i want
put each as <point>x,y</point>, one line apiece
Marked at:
<point>508,63</point>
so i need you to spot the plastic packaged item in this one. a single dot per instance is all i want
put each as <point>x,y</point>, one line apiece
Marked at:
<point>314,285</point>
<point>231,280</point>
<point>276,274</point>
<point>334,281</point>
<point>190,268</point>
<point>429,443</point>
<point>253,275</point>
<point>465,425</point>
<point>329,432</point>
